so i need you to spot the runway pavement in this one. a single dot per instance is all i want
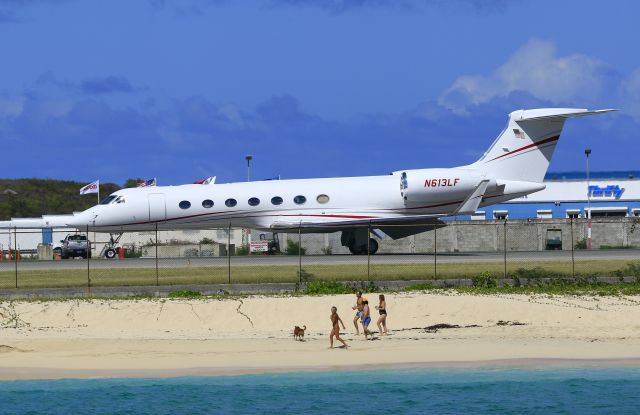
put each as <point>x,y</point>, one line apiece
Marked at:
<point>623,255</point>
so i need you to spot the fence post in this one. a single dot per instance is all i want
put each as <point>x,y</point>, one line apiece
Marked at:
<point>300,253</point>
<point>229,252</point>
<point>15,251</point>
<point>573,261</point>
<point>88,254</point>
<point>369,251</point>
<point>157,268</point>
<point>435,252</point>
<point>505,248</point>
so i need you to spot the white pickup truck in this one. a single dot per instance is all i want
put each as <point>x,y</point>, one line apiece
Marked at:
<point>75,246</point>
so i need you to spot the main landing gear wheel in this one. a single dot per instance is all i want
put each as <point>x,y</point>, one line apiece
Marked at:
<point>362,249</point>
<point>110,253</point>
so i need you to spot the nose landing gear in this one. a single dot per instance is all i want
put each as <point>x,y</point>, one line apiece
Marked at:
<point>109,250</point>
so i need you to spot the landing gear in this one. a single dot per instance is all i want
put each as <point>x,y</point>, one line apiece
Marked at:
<point>362,249</point>
<point>358,241</point>
<point>109,250</point>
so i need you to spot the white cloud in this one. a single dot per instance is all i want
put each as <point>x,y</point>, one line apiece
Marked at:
<point>11,106</point>
<point>630,94</point>
<point>535,69</point>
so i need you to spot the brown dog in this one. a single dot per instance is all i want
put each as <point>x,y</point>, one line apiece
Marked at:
<point>298,333</point>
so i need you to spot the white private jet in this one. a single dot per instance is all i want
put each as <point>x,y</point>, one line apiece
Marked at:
<point>514,166</point>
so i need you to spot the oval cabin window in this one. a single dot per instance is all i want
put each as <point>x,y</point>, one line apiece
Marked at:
<point>254,201</point>
<point>322,199</point>
<point>185,204</point>
<point>299,200</point>
<point>230,202</point>
<point>207,203</point>
<point>276,200</point>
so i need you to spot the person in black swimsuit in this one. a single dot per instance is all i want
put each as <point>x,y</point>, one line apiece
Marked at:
<point>382,320</point>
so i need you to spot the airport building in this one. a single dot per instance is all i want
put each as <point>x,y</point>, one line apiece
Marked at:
<point>569,195</point>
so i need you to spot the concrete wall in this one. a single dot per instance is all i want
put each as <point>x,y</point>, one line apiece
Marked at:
<point>489,236</point>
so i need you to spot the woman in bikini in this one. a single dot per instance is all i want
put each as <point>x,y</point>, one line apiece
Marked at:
<point>382,320</point>
<point>335,330</point>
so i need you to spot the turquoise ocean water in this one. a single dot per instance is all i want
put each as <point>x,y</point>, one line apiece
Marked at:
<point>446,391</point>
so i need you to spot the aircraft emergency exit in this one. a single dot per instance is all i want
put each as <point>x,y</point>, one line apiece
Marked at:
<point>512,167</point>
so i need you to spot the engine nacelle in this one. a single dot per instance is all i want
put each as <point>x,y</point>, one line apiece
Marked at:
<point>434,186</point>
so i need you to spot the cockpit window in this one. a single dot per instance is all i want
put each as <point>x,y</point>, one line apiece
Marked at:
<point>108,199</point>
<point>113,199</point>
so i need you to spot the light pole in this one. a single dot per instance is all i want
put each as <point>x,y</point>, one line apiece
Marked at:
<point>586,153</point>
<point>248,157</point>
<point>247,232</point>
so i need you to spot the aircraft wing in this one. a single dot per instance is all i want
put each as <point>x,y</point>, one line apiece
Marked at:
<point>394,227</point>
<point>471,203</point>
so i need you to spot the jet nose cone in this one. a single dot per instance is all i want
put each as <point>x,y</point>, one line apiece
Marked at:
<point>82,220</point>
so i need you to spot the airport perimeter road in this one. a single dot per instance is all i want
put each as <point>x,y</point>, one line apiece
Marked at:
<point>264,260</point>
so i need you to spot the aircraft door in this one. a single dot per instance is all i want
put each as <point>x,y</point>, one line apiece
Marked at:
<point>157,207</point>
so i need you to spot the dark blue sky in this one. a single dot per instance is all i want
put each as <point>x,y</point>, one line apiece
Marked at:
<point>180,90</point>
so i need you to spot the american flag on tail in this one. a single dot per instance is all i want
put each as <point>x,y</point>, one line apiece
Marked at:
<point>146,183</point>
<point>208,180</point>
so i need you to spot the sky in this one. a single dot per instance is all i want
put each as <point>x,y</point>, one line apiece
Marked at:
<point>184,89</point>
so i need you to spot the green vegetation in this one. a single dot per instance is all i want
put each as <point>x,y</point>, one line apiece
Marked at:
<point>293,248</point>
<point>485,280</point>
<point>484,273</point>
<point>242,250</point>
<point>36,197</point>
<point>327,250</point>
<point>327,287</point>
<point>321,287</point>
<point>185,294</point>
<point>617,247</point>
<point>581,244</point>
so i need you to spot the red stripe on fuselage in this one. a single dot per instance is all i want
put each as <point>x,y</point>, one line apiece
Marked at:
<point>217,213</point>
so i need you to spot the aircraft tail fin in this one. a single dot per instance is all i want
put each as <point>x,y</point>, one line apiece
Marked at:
<point>522,152</point>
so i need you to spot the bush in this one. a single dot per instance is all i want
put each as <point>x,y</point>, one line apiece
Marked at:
<point>485,280</point>
<point>581,244</point>
<point>207,241</point>
<point>327,287</point>
<point>294,247</point>
<point>185,294</point>
<point>242,250</point>
<point>133,252</point>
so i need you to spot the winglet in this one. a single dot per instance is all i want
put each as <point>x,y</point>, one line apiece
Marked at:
<point>471,203</point>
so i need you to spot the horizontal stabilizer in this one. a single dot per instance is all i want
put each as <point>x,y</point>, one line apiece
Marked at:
<point>546,113</point>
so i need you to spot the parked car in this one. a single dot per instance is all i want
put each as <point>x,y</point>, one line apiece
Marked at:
<point>75,246</point>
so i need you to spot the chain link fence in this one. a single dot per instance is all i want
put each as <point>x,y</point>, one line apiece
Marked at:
<point>458,249</point>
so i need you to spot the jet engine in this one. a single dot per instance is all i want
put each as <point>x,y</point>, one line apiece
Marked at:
<point>433,186</point>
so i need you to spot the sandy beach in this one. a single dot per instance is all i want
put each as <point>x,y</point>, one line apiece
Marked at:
<point>175,337</point>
